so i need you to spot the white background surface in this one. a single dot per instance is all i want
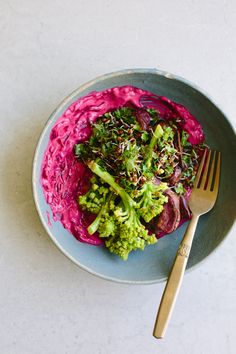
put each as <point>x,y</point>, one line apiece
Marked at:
<point>47,49</point>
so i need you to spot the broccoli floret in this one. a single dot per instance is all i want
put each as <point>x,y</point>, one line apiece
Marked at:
<point>95,198</point>
<point>109,179</point>
<point>128,232</point>
<point>150,200</point>
<point>130,158</point>
<point>107,226</point>
<point>128,241</point>
<point>103,222</point>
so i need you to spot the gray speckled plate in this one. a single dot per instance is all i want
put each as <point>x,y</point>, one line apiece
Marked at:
<point>152,265</point>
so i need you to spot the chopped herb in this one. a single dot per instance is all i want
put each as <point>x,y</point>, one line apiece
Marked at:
<point>179,189</point>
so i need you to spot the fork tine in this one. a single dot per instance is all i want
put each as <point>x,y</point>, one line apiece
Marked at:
<point>205,173</point>
<point>211,172</point>
<point>217,176</point>
<point>199,172</point>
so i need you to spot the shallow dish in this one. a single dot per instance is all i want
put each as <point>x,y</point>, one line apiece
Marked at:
<point>153,264</point>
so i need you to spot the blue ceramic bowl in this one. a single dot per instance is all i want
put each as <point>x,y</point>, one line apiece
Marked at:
<point>153,264</point>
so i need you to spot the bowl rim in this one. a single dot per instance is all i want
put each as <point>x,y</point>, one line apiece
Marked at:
<point>64,103</point>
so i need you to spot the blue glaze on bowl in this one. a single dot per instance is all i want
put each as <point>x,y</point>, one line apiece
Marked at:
<point>152,265</point>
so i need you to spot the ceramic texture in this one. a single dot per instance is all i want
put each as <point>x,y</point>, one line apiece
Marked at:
<point>152,265</point>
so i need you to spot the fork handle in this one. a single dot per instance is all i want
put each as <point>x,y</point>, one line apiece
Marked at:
<point>174,281</point>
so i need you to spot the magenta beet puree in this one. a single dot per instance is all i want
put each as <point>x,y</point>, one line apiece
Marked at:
<point>64,178</point>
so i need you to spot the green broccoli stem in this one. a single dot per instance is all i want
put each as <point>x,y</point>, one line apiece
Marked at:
<point>158,132</point>
<point>109,179</point>
<point>95,224</point>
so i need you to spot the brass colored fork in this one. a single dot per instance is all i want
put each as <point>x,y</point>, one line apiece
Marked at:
<point>202,200</point>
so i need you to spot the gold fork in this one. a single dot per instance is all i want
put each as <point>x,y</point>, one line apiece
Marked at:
<point>201,201</point>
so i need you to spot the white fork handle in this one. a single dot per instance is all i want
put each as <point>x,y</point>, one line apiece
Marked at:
<point>174,281</point>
